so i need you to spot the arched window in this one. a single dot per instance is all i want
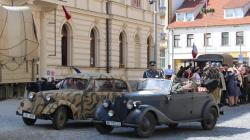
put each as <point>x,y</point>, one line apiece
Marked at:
<point>65,45</point>
<point>149,49</point>
<point>137,51</point>
<point>92,47</point>
<point>122,45</point>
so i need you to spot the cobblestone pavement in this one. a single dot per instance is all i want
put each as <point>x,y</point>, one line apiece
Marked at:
<point>233,125</point>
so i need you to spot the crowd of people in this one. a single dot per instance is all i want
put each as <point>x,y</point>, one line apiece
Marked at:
<point>233,82</point>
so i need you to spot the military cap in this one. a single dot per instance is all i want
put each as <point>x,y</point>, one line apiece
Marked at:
<point>152,63</point>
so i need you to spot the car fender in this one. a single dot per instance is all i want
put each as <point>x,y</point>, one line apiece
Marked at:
<point>51,107</point>
<point>136,115</point>
<point>207,106</point>
<point>101,113</point>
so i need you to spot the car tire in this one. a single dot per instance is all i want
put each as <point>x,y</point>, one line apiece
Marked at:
<point>209,121</point>
<point>172,126</point>
<point>60,118</point>
<point>146,126</point>
<point>103,129</point>
<point>28,121</point>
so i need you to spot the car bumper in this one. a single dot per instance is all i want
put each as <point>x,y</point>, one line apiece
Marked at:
<point>115,123</point>
<point>26,106</point>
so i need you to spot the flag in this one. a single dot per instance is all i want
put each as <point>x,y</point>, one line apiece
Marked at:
<point>194,51</point>
<point>76,70</point>
<point>66,13</point>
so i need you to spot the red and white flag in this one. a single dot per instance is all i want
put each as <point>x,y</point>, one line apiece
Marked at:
<point>66,13</point>
<point>194,51</point>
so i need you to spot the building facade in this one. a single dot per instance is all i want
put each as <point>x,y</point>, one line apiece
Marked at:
<point>223,29</point>
<point>113,36</point>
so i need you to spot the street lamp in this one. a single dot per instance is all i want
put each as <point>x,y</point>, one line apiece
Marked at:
<point>155,2</point>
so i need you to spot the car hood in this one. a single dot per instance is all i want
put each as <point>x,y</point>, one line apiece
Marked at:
<point>57,92</point>
<point>141,94</point>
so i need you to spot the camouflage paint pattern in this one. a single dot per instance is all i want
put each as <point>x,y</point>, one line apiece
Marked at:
<point>81,103</point>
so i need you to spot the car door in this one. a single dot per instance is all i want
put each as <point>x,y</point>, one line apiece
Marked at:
<point>199,100</point>
<point>102,89</point>
<point>179,106</point>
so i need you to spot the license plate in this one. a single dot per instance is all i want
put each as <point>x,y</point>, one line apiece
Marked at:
<point>112,123</point>
<point>30,116</point>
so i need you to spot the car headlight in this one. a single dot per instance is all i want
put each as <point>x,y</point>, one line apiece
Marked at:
<point>130,104</point>
<point>31,95</point>
<point>48,98</point>
<point>106,103</point>
<point>111,113</point>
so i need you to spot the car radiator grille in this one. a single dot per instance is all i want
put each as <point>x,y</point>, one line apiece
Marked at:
<point>120,109</point>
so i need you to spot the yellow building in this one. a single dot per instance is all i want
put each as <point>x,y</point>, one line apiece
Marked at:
<point>113,36</point>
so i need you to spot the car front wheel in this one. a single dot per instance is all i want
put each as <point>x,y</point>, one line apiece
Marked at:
<point>103,129</point>
<point>28,121</point>
<point>146,126</point>
<point>209,121</point>
<point>60,118</point>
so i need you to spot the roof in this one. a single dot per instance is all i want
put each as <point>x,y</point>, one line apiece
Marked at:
<point>225,58</point>
<point>213,19</point>
<point>95,75</point>
<point>190,5</point>
<point>236,3</point>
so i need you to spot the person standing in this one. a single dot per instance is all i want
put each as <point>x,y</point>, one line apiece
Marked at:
<point>151,72</point>
<point>168,72</point>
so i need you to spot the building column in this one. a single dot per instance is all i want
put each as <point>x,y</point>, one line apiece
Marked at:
<point>43,49</point>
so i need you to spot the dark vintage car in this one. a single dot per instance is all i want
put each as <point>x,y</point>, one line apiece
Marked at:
<point>155,103</point>
<point>76,99</point>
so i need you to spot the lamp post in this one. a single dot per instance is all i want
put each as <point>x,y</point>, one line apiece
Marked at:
<point>155,2</point>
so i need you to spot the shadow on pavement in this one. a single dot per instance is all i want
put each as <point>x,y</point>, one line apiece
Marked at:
<point>69,125</point>
<point>186,132</point>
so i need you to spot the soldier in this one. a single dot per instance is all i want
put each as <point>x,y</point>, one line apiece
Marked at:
<point>211,78</point>
<point>152,72</point>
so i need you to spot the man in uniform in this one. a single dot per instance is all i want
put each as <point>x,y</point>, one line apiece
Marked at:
<point>152,72</point>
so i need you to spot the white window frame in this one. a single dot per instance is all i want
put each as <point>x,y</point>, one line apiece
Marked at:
<point>235,13</point>
<point>184,17</point>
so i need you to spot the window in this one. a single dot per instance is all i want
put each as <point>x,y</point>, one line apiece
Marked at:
<point>229,13</point>
<point>180,16</point>
<point>189,17</point>
<point>238,12</point>
<point>224,39</point>
<point>162,3</point>
<point>233,13</point>
<point>190,40</point>
<point>184,17</point>
<point>92,48</point>
<point>121,50</point>
<point>239,38</point>
<point>65,45</point>
<point>136,3</point>
<point>120,86</point>
<point>162,58</point>
<point>176,40</point>
<point>207,39</point>
<point>104,85</point>
<point>149,48</point>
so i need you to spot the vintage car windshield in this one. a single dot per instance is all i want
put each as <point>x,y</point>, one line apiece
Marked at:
<point>74,83</point>
<point>161,85</point>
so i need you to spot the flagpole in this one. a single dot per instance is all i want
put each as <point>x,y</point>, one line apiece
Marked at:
<point>206,43</point>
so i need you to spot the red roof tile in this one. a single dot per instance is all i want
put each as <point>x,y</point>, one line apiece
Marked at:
<point>190,5</point>
<point>215,19</point>
<point>236,3</point>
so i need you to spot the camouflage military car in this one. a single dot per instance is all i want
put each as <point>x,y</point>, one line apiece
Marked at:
<point>76,99</point>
